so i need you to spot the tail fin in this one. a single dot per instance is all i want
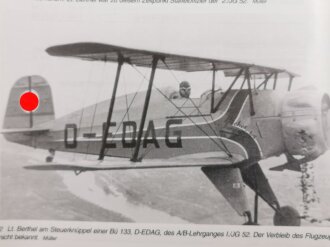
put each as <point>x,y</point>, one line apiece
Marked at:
<point>16,117</point>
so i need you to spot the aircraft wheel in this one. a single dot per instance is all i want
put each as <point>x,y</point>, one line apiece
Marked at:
<point>287,216</point>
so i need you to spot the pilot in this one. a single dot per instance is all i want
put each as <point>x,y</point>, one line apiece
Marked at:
<point>184,89</point>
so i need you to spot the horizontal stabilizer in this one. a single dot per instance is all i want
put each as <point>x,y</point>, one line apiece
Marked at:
<point>288,166</point>
<point>255,178</point>
<point>31,131</point>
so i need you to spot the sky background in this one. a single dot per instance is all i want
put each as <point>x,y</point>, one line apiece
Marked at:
<point>285,34</point>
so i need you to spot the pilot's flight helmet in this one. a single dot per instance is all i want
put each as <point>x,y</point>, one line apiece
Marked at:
<point>185,89</point>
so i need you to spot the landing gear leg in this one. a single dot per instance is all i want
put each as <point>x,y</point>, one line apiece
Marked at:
<point>253,221</point>
<point>254,177</point>
<point>51,155</point>
<point>249,218</point>
<point>256,201</point>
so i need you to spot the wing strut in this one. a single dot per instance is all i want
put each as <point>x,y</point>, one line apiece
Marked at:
<point>290,82</point>
<point>247,76</point>
<point>275,81</point>
<point>228,90</point>
<point>112,104</point>
<point>145,109</point>
<point>213,87</point>
<point>246,73</point>
<point>265,81</point>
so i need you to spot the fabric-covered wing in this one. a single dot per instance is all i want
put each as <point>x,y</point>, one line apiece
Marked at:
<point>124,164</point>
<point>143,58</point>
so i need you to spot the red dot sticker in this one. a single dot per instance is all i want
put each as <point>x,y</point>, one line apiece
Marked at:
<point>29,101</point>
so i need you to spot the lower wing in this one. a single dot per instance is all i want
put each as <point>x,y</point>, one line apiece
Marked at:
<point>194,160</point>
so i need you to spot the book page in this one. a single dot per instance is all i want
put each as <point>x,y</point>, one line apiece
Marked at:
<point>164,122</point>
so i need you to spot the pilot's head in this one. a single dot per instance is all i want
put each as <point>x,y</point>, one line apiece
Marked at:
<point>184,89</point>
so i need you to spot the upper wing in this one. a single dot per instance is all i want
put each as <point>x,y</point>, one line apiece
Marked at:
<point>143,58</point>
<point>213,159</point>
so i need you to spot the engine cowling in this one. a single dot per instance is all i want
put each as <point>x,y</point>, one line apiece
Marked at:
<point>305,123</point>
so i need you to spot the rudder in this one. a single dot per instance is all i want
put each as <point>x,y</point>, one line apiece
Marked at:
<point>16,117</point>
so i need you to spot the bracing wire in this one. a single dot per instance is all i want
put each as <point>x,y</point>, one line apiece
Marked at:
<point>213,130</point>
<point>128,108</point>
<point>197,108</point>
<point>95,108</point>
<point>148,149</point>
<point>195,124</point>
<point>84,100</point>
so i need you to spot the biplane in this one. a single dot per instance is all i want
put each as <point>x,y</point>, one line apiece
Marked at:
<point>225,133</point>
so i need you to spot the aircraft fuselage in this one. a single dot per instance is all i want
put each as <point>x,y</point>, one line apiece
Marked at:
<point>180,128</point>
